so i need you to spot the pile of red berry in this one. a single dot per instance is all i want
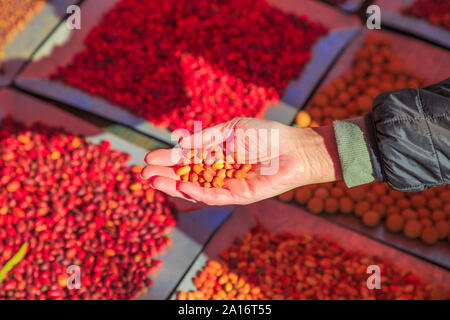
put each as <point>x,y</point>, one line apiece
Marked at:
<point>265,265</point>
<point>177,61</point>
<point>435,11</point>
<point>65,202</point>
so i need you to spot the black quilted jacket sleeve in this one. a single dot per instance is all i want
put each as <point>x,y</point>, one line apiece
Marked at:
<point>410,134</point>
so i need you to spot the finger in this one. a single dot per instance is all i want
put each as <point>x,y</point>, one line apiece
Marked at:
<point>168,186</point>
<point>210,196</point>
<point>209,137</point>
<point>164,157</point>
<point>151,171</point>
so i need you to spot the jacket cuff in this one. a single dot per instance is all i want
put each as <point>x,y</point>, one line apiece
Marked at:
<point>354,154</point>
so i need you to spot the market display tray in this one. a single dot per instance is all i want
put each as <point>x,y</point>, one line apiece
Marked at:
<point>281,217</point>
<point>392,16</point>
<point>194,228</point>
<point>18,51</point>
<point>349,6</point>
<point>421,59</point>
<point>61,47</point>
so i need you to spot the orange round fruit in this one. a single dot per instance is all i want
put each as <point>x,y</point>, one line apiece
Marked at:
<point>380,209</point>
<point>387,200</point>
<point>396,194</point>
<point>371,219</point>
<point>446,210</point>
<point>339,84</point>
<point>395,223</point>
<point>315,113</point>
<point>320,100</point>
<point>371,196</point>
<point>425,222</point>
<point>403,203</point>
<point>409,214</point>
<point>315,205</point>
<point>337,192</point>
<point>429,193</point>
<point>302,195</point>
<point>331,205</point>
<point>423,212</point>
<point>357,193</point>
<point>435,203</point>
<point>364,103</point>
<point>361,208</point>
<point>413,229</point>
<point>330,91</point>
<point>438,215</point>
<point>303,119</point>
<point>287,196</point>
<point>444,195</point>
<point>443,228</point>
<point>346,205</point>
<point>380,189</point>
<point>392,210</point>
<point>418,201</point>
<point>430,235</point>
<point>321,193</point>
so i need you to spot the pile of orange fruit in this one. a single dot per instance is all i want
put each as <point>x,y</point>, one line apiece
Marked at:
<point>14,15</point>
<point>375,69</point>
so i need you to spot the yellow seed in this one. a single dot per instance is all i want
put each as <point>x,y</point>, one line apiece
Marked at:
<point>240,174</point>
<point>182,295</point>
<point>112,204</point>
<point>245,289</point>
<point>255,290</point>
<point>193,177</point>
<point>207,185</point>
<point>136,186</point>
<point>221,174</point>
<point>62,280</point>
<point>198,168</point>
<point>185,177</point>
<point>183,170</point>
<point>229,173</point>
<point>223,279</point>
<point>208,176</point>
<point>55,155</point>
<point>76,142</point>
<point>228,166</point>
<point>23,139</point>
<point>218,166</point>
<point>228,287</point>
<point>217,182</point>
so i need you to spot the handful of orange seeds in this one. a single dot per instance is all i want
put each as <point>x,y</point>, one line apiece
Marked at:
<point>211,169</point>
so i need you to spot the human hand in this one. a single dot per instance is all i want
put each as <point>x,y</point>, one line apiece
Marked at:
<point>301,156</point>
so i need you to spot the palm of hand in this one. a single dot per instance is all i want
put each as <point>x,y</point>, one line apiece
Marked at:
<point>290,164</point>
